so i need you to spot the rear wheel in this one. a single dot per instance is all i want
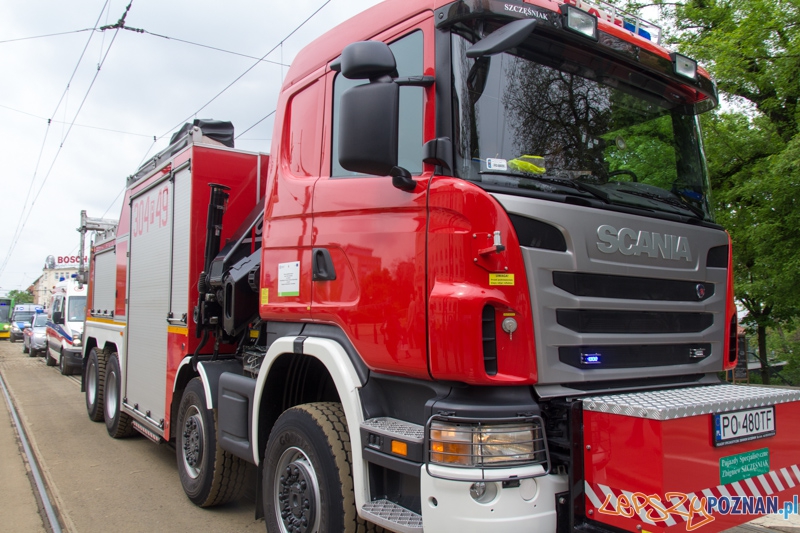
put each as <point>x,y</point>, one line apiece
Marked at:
<point>25,348</point>
<point>118,424</point>
<point>308,479</point>
<point>94,380</point>
<point>209,475</point>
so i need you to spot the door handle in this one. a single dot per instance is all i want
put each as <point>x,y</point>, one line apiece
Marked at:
<point>323,269</point>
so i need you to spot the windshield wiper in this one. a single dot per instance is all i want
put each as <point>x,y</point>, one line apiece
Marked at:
<point>566,182</point>
<point>668,200</point>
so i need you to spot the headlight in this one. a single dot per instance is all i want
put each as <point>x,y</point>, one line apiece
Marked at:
<point>14,328</point>
<point>486,445</point>
<point>76,338</point>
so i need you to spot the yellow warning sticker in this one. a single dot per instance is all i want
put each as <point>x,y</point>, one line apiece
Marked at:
<point>501,279</point>
<point>264,296</point>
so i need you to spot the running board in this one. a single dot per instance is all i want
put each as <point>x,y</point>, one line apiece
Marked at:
<point>146,432</point>
<point>392,516</point>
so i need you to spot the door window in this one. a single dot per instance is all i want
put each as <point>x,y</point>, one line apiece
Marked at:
<point>408,55</point>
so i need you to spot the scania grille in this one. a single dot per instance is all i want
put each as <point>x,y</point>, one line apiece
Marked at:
<point>624,317</point>
<point>650,322</point>
<point>632,288</point>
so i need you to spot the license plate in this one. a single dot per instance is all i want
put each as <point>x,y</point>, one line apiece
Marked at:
<point>745,425</point>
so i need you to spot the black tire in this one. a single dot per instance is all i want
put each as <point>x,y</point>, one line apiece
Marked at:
<point>25,348</point>
<point>48,359</point>
<point>94,381</point>
<point>209,475</point>
<point>62,365</point>
<point>118,424</point>
<point>12,339</point>
<point>308,458</point>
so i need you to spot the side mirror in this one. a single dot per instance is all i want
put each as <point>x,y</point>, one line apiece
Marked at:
<point>369,114</point>
<point>368,128</point>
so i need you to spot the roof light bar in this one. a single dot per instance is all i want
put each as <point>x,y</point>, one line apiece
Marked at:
<point>684,66</point>
<point>579,21</point>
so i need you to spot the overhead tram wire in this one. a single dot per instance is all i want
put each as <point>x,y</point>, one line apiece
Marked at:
<point>168,132</point>
<point>23,221</point>
<point>23,217</point>
<point>48,35</point>
<point>257,123</point>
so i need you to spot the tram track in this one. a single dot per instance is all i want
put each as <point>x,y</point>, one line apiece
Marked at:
<point>39,485</point>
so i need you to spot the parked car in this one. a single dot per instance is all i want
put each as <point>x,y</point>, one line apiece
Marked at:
<point>21,319</point>
<point>35,337</point>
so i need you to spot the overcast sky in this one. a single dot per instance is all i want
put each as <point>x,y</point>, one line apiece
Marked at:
<point>103,127</point>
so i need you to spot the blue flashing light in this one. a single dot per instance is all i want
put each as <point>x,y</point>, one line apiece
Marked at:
<point>591,359</point>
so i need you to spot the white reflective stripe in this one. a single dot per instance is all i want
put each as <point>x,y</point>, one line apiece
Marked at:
<point>587,488</point>
<point>777,481</point>
<point>765,484</point>
<point>753,488</point>
<point>642,512</point>
<point>796,472</point>
<point>608,492</point>
<point>788,477</point>
<point>738,488</point>
<point>723,491</point>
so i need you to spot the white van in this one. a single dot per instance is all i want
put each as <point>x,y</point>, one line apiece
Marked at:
<point>65,326</point>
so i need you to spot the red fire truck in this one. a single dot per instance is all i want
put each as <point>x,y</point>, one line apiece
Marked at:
<point>477,283</point>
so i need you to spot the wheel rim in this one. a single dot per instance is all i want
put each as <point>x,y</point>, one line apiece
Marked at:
<point>91,385</point>
<point>111,395</point>
<point>297,500</point>
<point>192,442</point>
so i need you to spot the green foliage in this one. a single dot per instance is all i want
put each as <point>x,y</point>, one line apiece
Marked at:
<point>752,50</point>
<point>21,297</point>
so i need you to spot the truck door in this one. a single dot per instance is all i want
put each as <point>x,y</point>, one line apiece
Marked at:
<point>148,297</point>
<point>368,249</point>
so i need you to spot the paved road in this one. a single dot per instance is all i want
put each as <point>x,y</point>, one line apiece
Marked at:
<point>100,484</point>
<point>96,483</point>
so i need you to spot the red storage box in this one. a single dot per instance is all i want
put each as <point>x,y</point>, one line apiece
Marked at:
<point>702,458</point>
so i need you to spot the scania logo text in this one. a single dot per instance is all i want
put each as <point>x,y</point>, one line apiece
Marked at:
<point>630,242</point>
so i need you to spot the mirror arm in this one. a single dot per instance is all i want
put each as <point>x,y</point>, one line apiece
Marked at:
<point>401,179</point>
<point>415,81</point>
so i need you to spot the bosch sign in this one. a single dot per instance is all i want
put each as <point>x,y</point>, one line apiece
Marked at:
<point>63,261</point>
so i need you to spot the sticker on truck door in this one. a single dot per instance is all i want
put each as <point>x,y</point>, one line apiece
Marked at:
<point>289,279</point>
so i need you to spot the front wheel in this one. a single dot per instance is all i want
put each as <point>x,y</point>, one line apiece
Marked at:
<point>95,381</point>
<point>308,479</point>
<point>118,424</point>
<point>209,475</point>
<point>62,364</point>
<point>25,348</point>
<point>49,361</point>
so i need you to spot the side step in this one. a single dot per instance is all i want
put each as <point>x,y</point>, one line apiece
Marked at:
<point>392,516</point>
<point>146,432</point>
<point>394,428</point>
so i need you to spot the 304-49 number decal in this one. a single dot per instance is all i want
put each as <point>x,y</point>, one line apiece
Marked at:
<point>150,211</point>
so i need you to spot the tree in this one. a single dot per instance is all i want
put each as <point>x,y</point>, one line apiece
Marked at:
<point>752,50</point>
<point>21,297</point>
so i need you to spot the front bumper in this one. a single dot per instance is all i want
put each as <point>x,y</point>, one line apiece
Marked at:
<point>73,356</point>
<point>38,344</point>
<point>15,336</point>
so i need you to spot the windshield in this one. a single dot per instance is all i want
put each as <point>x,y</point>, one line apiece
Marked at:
<point>567,122</point>
<point>40,320</point>
<point>76,309</point>
<point>4,313</point>
<point>23,316</point>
